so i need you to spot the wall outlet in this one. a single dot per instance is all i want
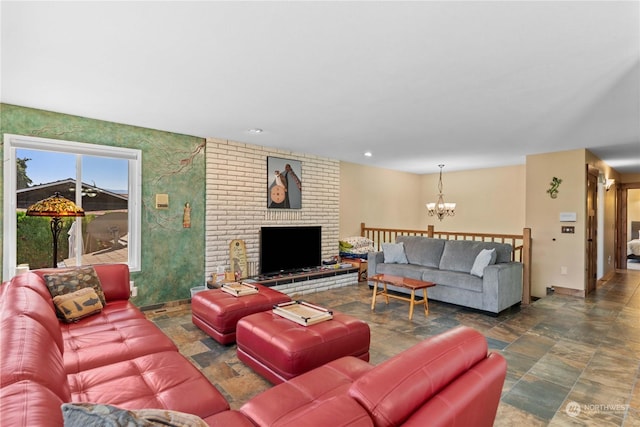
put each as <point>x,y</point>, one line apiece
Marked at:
<point>133,289</point>
<point>563,270</point>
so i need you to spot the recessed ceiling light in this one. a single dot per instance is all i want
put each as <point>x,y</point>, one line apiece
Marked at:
<point>255,130</point>
<point>368,154</point>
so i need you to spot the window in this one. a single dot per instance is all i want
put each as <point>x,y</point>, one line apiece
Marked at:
<point>105,181</point>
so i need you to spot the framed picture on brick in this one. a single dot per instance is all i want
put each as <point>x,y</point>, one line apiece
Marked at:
<point>284,183</point>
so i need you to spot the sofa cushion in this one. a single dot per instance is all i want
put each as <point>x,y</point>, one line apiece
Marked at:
<point>411,271</point>
<point>471,400</point>
<point>337,411</point>
<point>93,414</point>
<point>423,251</point>
<point>77,305</point>
<point>305,391</point>
<point>114,279</point>
<point>159,380</point>
<point>459,255</point>
<point>484,258</point>
<point>394,253</point>
<point>398,387</point>
<point>30,341</point>
<point>22,296</point>
<point>72,280</point>
<point>30,403</point>
<point>113,312</point>
<point>93,346</point>
<point>228,418</point>
<point>453,279</point>
<point>30,354</point>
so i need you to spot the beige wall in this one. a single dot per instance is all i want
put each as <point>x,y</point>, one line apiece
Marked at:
<point>487,200</point>
<point>552,250</point>
<point>379,198</point>
<point>630,177</point>
<point>497,200</point>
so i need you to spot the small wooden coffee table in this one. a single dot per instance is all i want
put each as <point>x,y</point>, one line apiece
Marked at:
<point>403,282</point>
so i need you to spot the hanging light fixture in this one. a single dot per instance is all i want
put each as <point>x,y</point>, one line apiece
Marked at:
<point>440,208</point>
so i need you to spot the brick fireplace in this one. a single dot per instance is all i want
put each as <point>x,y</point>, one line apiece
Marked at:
<point>236,205</point>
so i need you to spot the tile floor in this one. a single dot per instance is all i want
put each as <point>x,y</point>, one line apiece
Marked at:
<point>571,361</point>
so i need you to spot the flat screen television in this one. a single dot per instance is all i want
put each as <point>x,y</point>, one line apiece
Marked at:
<point>287,249</point>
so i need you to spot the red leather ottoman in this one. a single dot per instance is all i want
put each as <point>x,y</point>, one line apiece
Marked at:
<point>280,349</point>
<point>217,312</point>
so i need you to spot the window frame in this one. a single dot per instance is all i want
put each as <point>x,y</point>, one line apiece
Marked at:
<point>14,142</point>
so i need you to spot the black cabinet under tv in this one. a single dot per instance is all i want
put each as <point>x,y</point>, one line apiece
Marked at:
<point>301,275</point>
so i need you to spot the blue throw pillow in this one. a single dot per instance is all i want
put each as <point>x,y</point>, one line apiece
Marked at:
<point>394,253</point>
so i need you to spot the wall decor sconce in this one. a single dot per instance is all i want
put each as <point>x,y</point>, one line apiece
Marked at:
<point>609,183</point>
<point>186,216</point>
<point>553,191</point>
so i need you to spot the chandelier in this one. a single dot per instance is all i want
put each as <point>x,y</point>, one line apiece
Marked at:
<point>440,208</point>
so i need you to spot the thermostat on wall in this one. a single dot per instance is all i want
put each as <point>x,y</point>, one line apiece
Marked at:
<point>568,217</point>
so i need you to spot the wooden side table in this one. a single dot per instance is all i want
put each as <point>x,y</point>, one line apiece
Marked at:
<point>403,282</point>
<point>362,267</point>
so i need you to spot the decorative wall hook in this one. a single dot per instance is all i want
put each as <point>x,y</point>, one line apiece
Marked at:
<point>553,191</point>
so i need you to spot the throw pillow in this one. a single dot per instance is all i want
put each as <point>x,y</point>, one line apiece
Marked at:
<point>78,304</point>
<point>484,258</point>
<point>69,281</point>
<point>394,253</point>
<point>93,414</point>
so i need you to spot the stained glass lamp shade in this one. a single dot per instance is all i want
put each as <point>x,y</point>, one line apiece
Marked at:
<point>55,207</point>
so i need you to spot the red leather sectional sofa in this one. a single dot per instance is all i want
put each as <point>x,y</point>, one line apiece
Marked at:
<point>118,357</point>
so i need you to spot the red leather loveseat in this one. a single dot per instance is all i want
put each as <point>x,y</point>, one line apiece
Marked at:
<point>118,357</point>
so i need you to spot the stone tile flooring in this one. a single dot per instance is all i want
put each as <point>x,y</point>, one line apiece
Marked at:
<point>571,361</point>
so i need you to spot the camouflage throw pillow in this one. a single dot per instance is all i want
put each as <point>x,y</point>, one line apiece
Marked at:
<point>69,281</point>
<point>78,304</point>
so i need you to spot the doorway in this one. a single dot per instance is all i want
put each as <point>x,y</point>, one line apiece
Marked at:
<point>591,244</point>
<point>627,226</point>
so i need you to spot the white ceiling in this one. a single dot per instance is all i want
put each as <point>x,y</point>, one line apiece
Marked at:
<point>468,84</point>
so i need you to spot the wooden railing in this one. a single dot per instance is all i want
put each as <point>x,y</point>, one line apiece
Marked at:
<point>520,243</point>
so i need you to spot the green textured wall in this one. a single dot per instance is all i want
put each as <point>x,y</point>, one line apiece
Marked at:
<point>172,256</point>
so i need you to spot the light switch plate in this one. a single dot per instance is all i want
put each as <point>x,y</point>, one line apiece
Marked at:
<point>162,201</point>
<point>568,217</point>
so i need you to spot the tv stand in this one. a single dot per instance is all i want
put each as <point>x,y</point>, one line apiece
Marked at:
<point>301,275</point>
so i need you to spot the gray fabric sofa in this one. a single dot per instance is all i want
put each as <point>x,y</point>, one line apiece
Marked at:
<point>448,264</point>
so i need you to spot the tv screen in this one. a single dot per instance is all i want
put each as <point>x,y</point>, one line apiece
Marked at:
<point>286,249</point>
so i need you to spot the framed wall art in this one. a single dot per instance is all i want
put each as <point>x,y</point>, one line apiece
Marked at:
<point>284,183</point>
